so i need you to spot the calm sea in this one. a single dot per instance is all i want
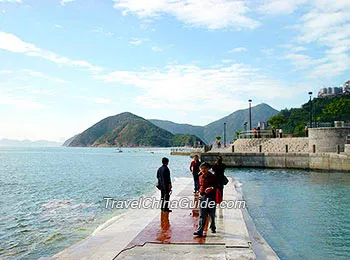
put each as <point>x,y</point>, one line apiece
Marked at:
<point>302,215</point>
<point>51,198</point>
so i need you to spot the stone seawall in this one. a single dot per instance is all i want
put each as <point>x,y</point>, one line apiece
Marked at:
<point>320,140</point>
<point>319,161</point>
<point>328,140</point>
<point>272,145</point>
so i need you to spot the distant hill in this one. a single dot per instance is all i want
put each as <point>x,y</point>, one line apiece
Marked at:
<point>28,143</point>
<point>234,122</point>
<point>129,130</point>
<point>180,128</point>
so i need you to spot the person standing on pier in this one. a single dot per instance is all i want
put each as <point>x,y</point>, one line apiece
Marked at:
<point>194,168</point>
<point>306,131</point>
<point>273,132</point>
<point>207,205</point>
<point>164,184</point>
<point>219,172</point>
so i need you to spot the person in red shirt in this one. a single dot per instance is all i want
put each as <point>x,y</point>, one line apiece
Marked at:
<point>194,168</point>
<point>207,205</point>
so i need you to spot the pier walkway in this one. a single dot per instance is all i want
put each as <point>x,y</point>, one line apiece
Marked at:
<point>152,234</point>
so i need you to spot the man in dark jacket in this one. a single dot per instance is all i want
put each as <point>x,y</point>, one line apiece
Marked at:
<point>164,184</point>
<point>219,172</point>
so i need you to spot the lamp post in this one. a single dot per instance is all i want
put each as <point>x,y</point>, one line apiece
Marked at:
<point>224,134</point>
<point>250,114</point>
<point>310,94</point>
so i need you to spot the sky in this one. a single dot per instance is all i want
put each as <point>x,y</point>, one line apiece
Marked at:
<point>67,64</point>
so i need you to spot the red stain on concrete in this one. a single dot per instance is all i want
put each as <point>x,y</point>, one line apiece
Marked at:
<point>175,227</point>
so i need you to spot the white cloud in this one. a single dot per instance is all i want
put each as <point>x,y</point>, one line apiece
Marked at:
<point>157,49</point>
<point>211,14</point>
<point>298,49</point>
<point>42,75</point>
<point>209,86</point>
<point>137,41</point>
<point>64,2</point>
<point>58,26</point>
<point>301,61</point>
<point>238,49</point>
<point>324,24</point>
<point>227,61</point>
<point>328,26</point>
<point>95,99</point>
<point>101,30</point>
<point>281,7</point>
<point>34,91</point>
<point>20,102</point>
<point>268,51</point>
<point>6,71</point>
<point>12,43</point>
<point>11,1</point>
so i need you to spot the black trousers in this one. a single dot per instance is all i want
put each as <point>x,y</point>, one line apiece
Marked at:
<point>165,196</point>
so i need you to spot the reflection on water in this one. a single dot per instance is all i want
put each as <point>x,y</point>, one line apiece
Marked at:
<point>303,215</point>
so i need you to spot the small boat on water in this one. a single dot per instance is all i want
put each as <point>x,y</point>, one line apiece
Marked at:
<point>118,150</point>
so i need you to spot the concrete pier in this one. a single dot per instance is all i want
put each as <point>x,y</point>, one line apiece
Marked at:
<point>152,234</point>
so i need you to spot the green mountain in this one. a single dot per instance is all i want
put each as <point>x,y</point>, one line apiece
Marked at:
<point>234,122</point>
<point>129,130</point>
<point>324,110</point>
<point>180,128</point>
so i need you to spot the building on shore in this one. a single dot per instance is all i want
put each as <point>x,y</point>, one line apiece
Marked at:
<point>346,87</point>
<point>335,91</point>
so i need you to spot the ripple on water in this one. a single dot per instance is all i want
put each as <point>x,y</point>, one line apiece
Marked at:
<point>53,197</point>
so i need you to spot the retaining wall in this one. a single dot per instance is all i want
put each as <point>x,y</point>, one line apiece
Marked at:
<point>321,161</point>
<point>320,140</point>
<point>272,145</point>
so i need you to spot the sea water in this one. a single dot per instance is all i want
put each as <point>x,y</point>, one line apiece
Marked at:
<point>301,214</point>
<point>51,198</point>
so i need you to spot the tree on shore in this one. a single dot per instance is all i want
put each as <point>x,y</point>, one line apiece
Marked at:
<point>327,109</point>
<point>278,120</point>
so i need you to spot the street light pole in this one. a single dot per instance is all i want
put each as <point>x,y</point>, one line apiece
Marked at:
<point>250,114</point>
<point>224,134</point>
<point>310,94</point>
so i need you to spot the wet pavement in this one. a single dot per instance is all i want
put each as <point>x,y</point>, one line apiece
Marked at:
<point>152,234</point>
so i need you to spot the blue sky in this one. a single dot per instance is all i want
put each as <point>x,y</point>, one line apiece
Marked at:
<point>64,65</point>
